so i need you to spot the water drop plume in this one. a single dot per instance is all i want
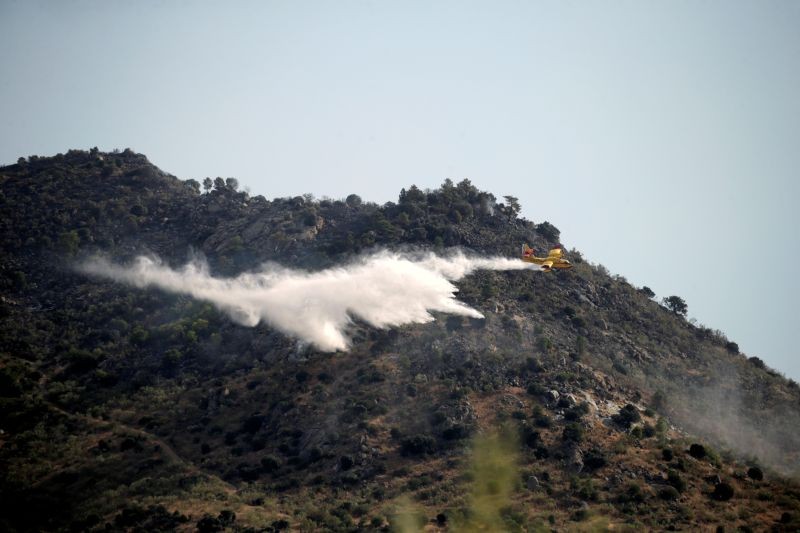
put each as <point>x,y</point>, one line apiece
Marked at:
<point>385,289</point>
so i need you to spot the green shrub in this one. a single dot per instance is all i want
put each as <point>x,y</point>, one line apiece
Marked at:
<point>698,451</point>
<point>533,365</point>
<point>270,463</point>
<point>579,322</point>
<point>544,344</point>
<point>573,432</point>
<point>620,367</point>
<point>68,242</point>
<point>668,493</point>
<point>535,389</point>
<point>531,438</point>
<point>584,489</point>
<point>279,525</point>
<point>627,416</point>
<point>580,345</point>
<point>594,459</point>
<point>755,473</point>
<point>633,494</point>
<point>456,432</point>
<point>723,492</point>
<point>548,231</point>
<point>418,445</point>
<point>542,421</point>
<point>675,479</point>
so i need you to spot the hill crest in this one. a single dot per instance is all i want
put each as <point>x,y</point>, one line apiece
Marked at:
<point>156,385</point>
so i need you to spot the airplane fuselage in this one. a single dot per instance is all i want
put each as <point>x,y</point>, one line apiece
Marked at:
<point>553,260</point>
<point>548,262</point>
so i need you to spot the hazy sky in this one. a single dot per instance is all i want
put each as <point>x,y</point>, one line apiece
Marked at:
<point>662,138</point>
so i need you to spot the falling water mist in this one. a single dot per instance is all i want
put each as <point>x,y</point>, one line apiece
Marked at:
<point>385,289</point>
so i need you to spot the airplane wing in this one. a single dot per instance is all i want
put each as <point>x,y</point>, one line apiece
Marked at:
<point>546,265</point>
<point>555,253</point>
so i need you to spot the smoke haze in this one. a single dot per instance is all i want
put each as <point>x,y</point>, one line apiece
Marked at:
<point>385,289</point>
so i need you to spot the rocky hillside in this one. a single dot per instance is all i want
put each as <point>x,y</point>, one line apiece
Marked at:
<point>578,403</point>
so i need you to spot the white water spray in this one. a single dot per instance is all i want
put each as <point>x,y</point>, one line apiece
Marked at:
<point>385,290</point>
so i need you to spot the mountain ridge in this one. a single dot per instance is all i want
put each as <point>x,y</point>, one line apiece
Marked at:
<point>558,356</point>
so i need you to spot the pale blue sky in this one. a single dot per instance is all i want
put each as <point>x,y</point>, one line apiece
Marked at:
<point>662,138</point>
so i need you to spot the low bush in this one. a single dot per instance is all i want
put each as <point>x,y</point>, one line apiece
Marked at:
<point>755,473</point>
<point>698,451</point>
<point>594,459</point>
<point>627,416</point>
<point>633,494</point>
<point>675,479</point>
<point>418,445</point>
<point>668,493</point>
<point>543,421</point>
<point>346,462</point>
<point>723,492</point>
<point>573,432</point>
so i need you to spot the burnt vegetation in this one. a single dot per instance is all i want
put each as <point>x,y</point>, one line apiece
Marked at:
<point>128,409</point>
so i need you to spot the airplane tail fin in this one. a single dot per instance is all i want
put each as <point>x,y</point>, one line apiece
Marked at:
<point>527,251</point>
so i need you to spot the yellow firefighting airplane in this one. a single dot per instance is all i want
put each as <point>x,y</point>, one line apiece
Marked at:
<point>553,259</point>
